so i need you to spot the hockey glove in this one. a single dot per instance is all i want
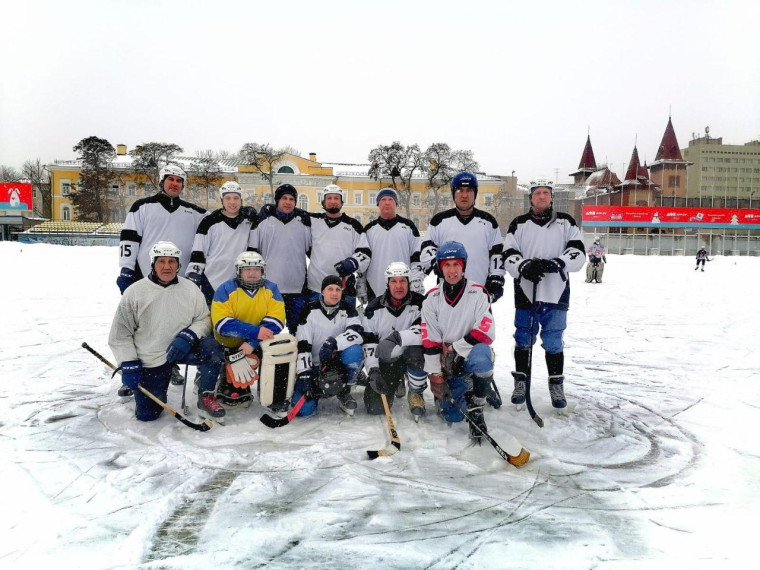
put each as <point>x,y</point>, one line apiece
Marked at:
<point>196,278</point>
<point>439,386</point>
<point>531,270</point>
<point>126,278</point>
<point>552,265</point>
<point>248,213</point>
<point>388,348</point>
<point>181,345</point>
<point>131,374</point>
<point>346,267</point>
<point>495,287</point>
<point>417,285</point>
<point>328,350</point>
<point>241,372</point>
<point>378,384</point>
<point>452,364</point>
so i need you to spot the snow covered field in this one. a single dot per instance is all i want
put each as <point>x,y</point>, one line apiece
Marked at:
<point>657,465</point>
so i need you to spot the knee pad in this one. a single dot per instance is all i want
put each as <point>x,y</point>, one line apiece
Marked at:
<point>353,355</point>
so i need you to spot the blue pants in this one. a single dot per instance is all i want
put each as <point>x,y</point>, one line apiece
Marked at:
<point>352,359</point>
<point>479,366</point>
<point>206,354</point>
<point>294,306</point>
<point>552,320</point>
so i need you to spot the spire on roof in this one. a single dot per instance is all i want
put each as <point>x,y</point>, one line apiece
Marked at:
<point>635,171</point>
<point>588,162</point>
<point>669,146</point>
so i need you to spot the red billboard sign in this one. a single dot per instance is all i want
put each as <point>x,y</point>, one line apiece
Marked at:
<point>653,217</point>
<point>15,196</point>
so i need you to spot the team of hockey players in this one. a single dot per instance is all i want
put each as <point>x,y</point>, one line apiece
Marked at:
<point>248,284</point>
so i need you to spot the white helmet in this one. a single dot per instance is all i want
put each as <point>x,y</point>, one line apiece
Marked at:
<point>230,188</point>
<point>541,182</point>
<point>171,170</point>
<point>397,269</point>
<point>250,259</point>
<point>164,249</point>
<point>332,189</point>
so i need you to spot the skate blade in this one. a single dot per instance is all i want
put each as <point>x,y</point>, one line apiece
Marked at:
<point>562,411</point>
<point>520,407</point>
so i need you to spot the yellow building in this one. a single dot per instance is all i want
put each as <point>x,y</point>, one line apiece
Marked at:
<point>307,174</point>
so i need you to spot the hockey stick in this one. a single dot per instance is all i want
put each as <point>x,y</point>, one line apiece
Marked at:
<point>395,445</point>
<point>271,422</point>
<point>185,409</point>
<point>531,411</point>
<point>517,460</point>
<point>203,426</point>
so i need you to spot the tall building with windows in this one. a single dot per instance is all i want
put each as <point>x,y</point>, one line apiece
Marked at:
<point>728,175</point>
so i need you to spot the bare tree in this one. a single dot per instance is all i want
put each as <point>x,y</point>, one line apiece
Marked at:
<point>93,195</point>
<point>150,158</point>
<point>35,171</point>
<point>206,171</point>
<point>442,164</point>
<point>9,174</point>
<point>398,162</point>
<point>263,157</point>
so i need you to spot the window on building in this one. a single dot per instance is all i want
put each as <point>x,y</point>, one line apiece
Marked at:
<point>488,200</point>
<point>115,189</point>
<point>358,198</point>
<point>211,195</point>
<point>372,197</point>
<point>66,214</point>
<point>268,199</point>
<point>416,199</point>
<point>674,181</point>
<point>132,189</point>
<point>303,202</point>
<point>285,170</point>
<point>65,187</point>
<point>416,221</point>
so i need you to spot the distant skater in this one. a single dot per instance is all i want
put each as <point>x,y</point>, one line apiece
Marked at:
<point>701,258</point>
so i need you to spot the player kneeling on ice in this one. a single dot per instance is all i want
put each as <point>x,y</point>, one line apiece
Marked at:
<point>457,331</point>
<point>247,312</point>
<point>162,320</point>
<point>393,343</point>
<point>329,349</point>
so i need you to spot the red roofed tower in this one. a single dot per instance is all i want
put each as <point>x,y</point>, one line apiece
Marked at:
<point>669,168</point>
<point>636,189</point>
<point>587,165</point>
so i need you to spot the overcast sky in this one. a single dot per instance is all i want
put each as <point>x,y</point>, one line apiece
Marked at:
<point>519,83</point>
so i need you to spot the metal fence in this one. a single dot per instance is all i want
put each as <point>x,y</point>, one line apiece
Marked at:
<point>716,242</point>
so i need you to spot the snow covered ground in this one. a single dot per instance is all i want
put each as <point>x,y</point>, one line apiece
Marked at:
<point>656,465</point>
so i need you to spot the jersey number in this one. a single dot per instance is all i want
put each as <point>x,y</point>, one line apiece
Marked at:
<point>126,250</point>
<point>485,325</point>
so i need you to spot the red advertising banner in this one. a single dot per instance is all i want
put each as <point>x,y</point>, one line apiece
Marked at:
<point>15,196</point>
<point>652,217</point>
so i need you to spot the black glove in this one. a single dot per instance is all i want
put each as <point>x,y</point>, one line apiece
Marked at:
<point>248,212</point>
<point>452,364</point>
<point>531,270</point>
<point>495,287</point>
<point>378,384</point>
<point>131,374</point>
<point>329,347</point>
<point>346,267</point>
<point>126,278</point>
<point>551,265</point>
<point>196,278</point>
<point>385,347</point>
<point>181,345</point>
<point>305,385</point>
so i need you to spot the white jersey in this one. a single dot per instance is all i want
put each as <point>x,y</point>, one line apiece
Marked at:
<point>334,240</point>
<point>150,315</point>
<point>596,250</point>
<point>284,244</point>
<point>381,318</point>
<point>462,322</point>
<point>316,326</point>
<point>219,239</point>
<point>153,219</point>
<point>554,237</point>
<point>392,240</point>
<point>478,233</point>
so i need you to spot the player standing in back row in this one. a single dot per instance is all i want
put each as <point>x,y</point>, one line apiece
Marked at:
<point>475,229</point>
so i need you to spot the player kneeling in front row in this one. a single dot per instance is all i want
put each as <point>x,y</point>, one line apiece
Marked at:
<point>457,331</point>
<point>329,349</point>
<point>393,343</point>
<point>247,311</point>
<point>162,319</point>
